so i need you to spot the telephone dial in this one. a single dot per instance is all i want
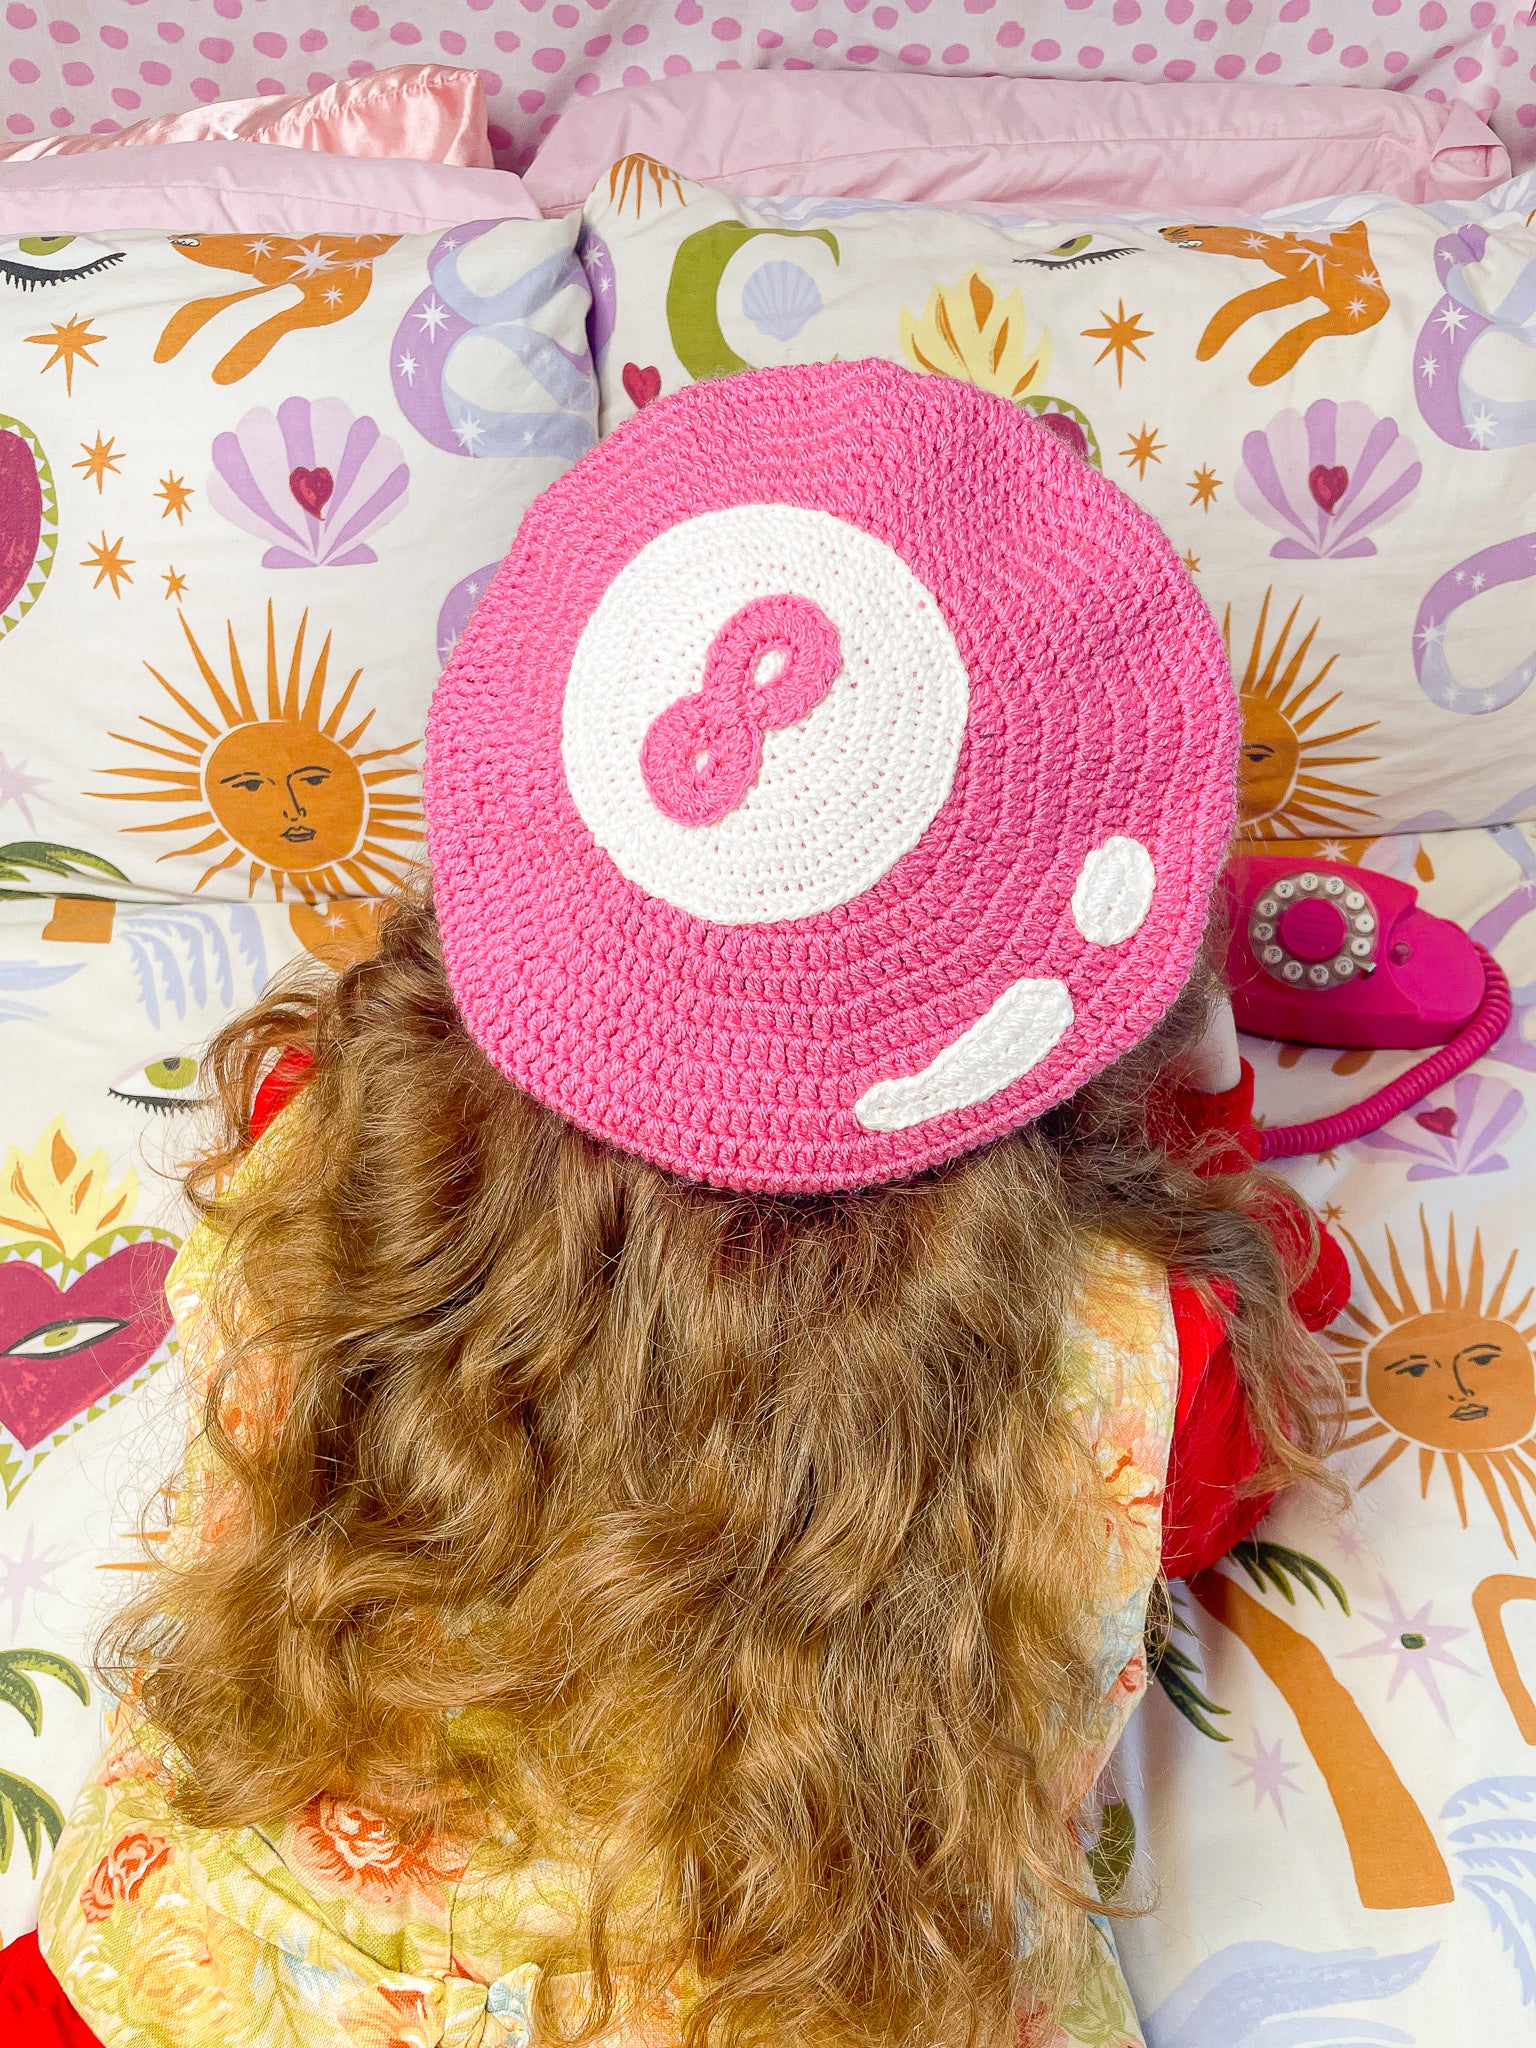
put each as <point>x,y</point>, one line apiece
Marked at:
<point>1321,953</point>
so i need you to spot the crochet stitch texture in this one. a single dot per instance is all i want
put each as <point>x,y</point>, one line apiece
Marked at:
<point>833,778</point>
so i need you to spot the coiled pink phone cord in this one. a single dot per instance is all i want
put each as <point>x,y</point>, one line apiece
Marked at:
<point>1287,1141</point>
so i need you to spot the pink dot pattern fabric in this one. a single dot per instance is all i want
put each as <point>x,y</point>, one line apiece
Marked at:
<point>77,65</point>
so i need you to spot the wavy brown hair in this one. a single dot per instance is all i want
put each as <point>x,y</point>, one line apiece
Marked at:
<point>739,1547</point>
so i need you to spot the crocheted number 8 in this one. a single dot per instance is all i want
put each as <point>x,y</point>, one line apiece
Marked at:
<point>768,667</point>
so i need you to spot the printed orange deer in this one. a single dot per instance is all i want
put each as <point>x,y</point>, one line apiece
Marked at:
<point>1334,268</point>
<point>331,274</point>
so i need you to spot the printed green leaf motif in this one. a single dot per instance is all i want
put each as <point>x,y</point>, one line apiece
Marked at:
<point>1112,1855</point>
<point>44,857</point>
<point>26,1806</point>
<point>1271,1567</point>
<point>1174,1669</point>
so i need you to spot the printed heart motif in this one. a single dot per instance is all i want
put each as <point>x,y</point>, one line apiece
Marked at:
<point>1441,1121</point>
<point>642,385</point>
<point>1328,485</point>
<point>312,488</point>
<point>40,1393</point>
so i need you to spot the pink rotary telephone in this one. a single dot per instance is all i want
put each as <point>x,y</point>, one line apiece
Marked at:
<point>1326,954</point>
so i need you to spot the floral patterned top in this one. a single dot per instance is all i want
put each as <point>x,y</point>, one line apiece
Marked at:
<point>323,1929</point>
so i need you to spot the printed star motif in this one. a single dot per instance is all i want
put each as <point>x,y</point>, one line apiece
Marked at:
<point>1331,1212</point>
<point>175,583</point>
<point>407,366</point>
<point>1369,277</point>
<point>1144,448</point>
<point>1452,318</point>
<point>432,316</point>
<point>1347,1536</point>
<point>1355,308</point>
<point>1427,368</point>
<point>1430,634</point>
<point>470,432</point>
<point>71,342</point>
<point>177,496</point>
<point>333,296</point>
<point>1269,1773</point>
<point>1482,426</point>
<point>1415,1644</point>
<point>16,787</point>
<point>100,461</point>
<point>108,561</point>
<point>1478,579</point>
<point>312,261</point>
<point>259,246</point>
<point>1121,331</point>
<point>1204,485</point>
<point>1253,241</point>
<point>31,1572</point>
<point>1331,850</point>
<point>1191,562</point>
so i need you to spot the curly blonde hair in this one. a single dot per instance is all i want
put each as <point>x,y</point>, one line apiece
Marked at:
<point>742,1546</point>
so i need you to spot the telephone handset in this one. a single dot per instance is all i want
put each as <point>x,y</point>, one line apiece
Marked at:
<point>1322,953</point>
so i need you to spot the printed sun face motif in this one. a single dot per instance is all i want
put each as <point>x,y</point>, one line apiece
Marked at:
<point>1453,1374</point>
<point>284,787</point>
<point>1286,789</point>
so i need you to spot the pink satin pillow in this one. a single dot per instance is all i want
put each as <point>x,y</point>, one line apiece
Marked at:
<point>431,113</point>
<point>1090,144</point>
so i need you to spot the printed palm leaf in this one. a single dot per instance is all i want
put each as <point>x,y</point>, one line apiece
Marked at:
<point>1494,1851</point>
<point>43,857</point>
<point>1174,1669</point>
<point>26,1806</point>
<point>23,1805</point>
<point>1272,1566</point>
<point>1261,1994</point>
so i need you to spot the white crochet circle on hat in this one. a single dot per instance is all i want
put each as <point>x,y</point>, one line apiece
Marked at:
<point>1114,891</point>
<point>843,792</point>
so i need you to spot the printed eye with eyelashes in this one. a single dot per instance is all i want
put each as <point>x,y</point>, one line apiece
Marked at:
<point>28,261</point>
<point>162,1085</point>
<point>1077,250</point>
<point>58,1340</point>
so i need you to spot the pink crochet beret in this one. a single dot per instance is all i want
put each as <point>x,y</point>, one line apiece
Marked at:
<point>833,778</point>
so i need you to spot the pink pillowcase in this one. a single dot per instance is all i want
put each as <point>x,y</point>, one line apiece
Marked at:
<point>1090,144</point>
<point>430,112</point>
<point>250,188</point>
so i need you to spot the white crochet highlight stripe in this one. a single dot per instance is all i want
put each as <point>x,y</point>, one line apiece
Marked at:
<point>1028,1020</point>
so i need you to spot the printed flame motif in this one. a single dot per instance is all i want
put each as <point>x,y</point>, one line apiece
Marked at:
<point>52,1196</point>
<point>972,332</point>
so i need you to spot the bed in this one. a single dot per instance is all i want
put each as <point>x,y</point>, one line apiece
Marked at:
<point>1325,1813</point>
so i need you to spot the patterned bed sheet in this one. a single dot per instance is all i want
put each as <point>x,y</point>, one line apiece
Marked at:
<point>1328,1803</point>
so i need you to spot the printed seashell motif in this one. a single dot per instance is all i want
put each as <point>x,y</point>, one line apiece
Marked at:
<point>314,478</point>
<point>1324,478</point>
<point>779,299</point>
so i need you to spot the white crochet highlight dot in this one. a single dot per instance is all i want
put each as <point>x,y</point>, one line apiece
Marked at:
<point>1028,1020</point>
<point>1115,885</point>
<point>843,792</point>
